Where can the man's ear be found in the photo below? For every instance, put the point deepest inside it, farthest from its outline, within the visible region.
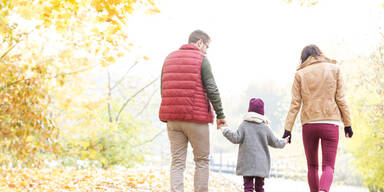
(199, 43)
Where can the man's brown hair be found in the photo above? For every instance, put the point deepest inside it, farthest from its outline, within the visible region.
(197, 35)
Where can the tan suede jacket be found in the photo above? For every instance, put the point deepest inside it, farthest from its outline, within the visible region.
(318, 90)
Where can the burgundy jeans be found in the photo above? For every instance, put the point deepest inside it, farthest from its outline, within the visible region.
(248, 184)
(328, 134)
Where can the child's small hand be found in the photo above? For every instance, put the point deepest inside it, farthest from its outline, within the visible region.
(287, 139)
(223, 125)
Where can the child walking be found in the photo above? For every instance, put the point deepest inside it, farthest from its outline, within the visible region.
(254, 136)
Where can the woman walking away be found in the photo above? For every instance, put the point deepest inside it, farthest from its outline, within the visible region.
(319, 91)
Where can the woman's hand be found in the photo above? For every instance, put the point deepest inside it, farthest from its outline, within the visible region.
(348, 131)
(288, 135)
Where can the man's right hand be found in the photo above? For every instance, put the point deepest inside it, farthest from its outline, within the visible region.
(220, 122)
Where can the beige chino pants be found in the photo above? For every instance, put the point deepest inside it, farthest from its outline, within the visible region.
(180, 133)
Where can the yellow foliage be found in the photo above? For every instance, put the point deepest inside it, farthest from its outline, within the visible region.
(110, 59)
(39, 82)
(367, 144)
(104, 63)
(153, 11)
(120, 54)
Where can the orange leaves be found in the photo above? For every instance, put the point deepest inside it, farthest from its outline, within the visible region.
(130, 180)
(25, 126)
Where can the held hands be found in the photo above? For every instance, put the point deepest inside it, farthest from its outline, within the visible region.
(220, 123)
(287, 139)
(348, 132)
(287, 135)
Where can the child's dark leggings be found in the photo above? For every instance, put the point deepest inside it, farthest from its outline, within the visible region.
(328, 134)
(249, 186)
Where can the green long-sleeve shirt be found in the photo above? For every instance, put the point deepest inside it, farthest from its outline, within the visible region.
(210, 87)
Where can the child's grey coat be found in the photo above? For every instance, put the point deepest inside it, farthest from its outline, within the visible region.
(254, 136)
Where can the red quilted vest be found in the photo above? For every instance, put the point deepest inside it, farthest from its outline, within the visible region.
(183, 95)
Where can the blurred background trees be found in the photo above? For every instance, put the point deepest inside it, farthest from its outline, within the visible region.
(366, 97)
(52, 56)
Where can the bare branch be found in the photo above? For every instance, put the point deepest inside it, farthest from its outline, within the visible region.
(133, 96)
(121, 92)
(14, 45)
(9, 50)
(73, 72)
(52, 77)
(122, 78)
(109, 96)
(149, 140)
(382, 34)
(146, 104)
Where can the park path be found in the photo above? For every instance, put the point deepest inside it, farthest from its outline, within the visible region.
(280, 184)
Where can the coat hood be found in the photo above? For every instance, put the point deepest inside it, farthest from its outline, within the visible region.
(257, 118)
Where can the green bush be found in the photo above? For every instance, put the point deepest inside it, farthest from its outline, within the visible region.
(109, 145)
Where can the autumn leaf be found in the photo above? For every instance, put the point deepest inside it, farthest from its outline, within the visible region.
(130, 180)
(153, 11)
(110, 59)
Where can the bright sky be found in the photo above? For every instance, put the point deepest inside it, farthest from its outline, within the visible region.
(256, 40)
